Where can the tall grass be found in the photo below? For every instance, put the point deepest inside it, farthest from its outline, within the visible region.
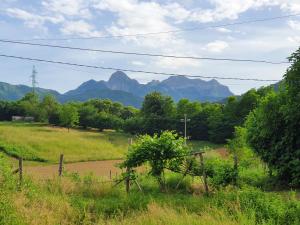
(86, 200)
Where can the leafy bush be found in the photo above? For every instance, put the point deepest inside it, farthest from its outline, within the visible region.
(220, 172)
(162, 152)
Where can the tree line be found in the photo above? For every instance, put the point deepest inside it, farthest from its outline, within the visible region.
(213, 122)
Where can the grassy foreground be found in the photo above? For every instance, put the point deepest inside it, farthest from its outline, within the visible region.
(86, 200)
(42, 143)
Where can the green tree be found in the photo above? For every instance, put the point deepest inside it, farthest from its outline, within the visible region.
(29, 104)
(158, 113)
(161, 152)
(68, 116)
(273, 127)
(51, 108)
(87, 116)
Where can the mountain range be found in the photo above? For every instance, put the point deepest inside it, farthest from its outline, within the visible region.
(128, 91)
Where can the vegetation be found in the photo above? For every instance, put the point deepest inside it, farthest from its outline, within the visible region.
(161, 152)
(273, 127)
(86, 200)
(213, 122)
(262, 155)
(38, 142)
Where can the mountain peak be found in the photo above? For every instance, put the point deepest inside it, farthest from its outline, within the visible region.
(120, 81)
(118, 76)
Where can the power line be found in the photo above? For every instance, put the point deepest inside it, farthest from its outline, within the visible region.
(131, 70)
(165, 32)
(144, 54)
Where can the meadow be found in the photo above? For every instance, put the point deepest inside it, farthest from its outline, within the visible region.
(44, 143)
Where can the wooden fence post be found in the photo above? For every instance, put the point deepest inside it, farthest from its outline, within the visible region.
(60, 168)
(236, 170)
(203, 172)
(20, 170)
(110, 174)
(127, 180)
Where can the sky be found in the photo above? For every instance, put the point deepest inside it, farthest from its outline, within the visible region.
(70, 19)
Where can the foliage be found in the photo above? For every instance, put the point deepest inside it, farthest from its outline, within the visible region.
(86, 200)
(162, 152)
(273, 128)
(68, 116)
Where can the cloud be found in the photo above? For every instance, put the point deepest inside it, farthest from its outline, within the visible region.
(30, 19)
(294, 39)
(216, 46)
(223, 30)
(138, 63)
(78, 8)
(174, 64)
(137, 17)
(295, 25)
(79, 28)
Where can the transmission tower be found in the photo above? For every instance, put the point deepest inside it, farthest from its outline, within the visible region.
(33, 79)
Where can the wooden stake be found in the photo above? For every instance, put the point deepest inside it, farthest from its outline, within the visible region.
(138, 185)
(110, 174)
(60, 168)
(203, 173)
(127, 180)
(20, 170)
(235, 158)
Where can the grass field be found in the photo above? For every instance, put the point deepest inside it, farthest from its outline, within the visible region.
(47, 143)
(38, 142)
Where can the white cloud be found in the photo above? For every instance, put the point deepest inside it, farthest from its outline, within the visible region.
(294, 24)
(294, 39)
(143, 17)
(30, 19)
(223, 30)
(174, 64)
(79, 8)
(216, 46)
(80, 28)
(231, 9)
(138, 63)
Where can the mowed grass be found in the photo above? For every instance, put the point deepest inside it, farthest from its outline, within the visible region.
(47, 143)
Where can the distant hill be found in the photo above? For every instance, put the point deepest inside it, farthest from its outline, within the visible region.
(15, 92)
(129, 91)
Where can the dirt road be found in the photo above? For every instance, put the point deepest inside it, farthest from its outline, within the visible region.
(98, 168)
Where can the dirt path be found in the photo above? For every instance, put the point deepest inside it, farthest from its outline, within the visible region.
(98, 168)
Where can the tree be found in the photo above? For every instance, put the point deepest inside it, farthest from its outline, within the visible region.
(158, 113)
(29, 104)
(87, 116)
(51, 108)
(273, 127)
(237, 147)
(68, 116)
(162, 152)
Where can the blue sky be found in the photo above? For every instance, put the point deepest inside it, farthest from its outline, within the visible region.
(31, 19)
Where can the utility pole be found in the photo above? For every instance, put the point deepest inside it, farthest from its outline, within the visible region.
(33, 79)
(185, 120)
